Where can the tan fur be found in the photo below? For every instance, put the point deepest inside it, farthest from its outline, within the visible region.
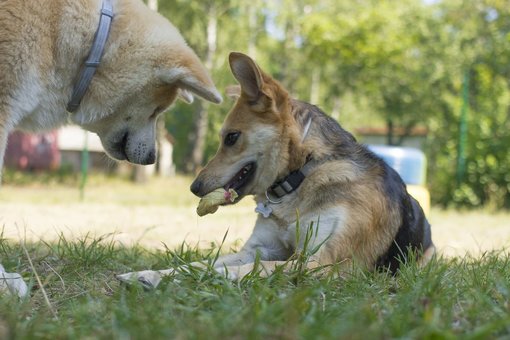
(345, 197)
(146, 64)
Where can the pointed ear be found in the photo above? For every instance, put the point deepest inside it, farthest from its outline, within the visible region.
(198, 83)
(247, 73)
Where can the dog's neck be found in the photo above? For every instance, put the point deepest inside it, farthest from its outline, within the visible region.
(298, 148)
(94, 58)
(77, 39)
(58, 58)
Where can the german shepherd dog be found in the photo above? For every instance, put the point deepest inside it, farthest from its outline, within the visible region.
(294, 158)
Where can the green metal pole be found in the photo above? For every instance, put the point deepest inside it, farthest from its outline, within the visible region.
(84, 165)
(461, 157)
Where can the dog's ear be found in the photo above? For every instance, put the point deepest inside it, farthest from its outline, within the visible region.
(247, 73)
(193, 79)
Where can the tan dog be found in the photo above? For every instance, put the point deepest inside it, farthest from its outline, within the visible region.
(144, 65)
(294, 158)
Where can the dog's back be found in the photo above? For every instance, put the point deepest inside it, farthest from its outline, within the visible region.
(414, 232)
(375, 187)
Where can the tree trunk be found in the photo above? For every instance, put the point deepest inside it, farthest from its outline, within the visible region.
(315, 86)
(337, 107)
(153, 4)
(389, 136)
(202, 117)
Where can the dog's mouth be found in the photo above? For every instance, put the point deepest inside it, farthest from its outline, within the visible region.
(241, 178)
(115, 147)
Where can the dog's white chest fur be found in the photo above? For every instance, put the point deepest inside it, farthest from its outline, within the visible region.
(34, 112)
(319, 225)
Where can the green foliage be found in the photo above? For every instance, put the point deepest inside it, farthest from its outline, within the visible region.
(481, 34)
(179, 122)
(375, 63)
(455, 298)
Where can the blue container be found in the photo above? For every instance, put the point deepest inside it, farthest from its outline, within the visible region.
(410, 163)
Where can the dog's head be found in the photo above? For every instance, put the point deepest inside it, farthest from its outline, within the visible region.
(255, 137)
(145, 67)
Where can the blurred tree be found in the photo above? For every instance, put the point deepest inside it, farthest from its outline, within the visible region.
(209, 26)
(384, 62)
(478, 33)
(382, 52)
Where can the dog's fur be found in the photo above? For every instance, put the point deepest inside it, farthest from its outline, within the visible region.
(359, 204)
(146, 63)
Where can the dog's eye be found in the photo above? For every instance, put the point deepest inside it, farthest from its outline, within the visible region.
(231, 138)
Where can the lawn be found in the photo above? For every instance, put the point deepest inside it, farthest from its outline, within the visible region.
(453, 297)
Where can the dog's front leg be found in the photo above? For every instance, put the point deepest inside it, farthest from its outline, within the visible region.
(150, 279)
(263, 244)
(266, 268)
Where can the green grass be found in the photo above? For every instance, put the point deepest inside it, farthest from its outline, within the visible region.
(455, 298)
(464, 298)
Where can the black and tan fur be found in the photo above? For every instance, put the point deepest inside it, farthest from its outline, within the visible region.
(360, 204)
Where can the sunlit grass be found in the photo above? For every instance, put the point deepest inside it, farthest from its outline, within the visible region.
(99, 189)
(463, 297)
(457, 298)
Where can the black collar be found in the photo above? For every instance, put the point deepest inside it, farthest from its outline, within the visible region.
(293, 180)
(94, 58)
(290, 182)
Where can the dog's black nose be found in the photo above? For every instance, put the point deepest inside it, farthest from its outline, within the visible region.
(195, 187)
(151, 158)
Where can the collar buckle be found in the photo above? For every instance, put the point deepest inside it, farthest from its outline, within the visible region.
(287, 184)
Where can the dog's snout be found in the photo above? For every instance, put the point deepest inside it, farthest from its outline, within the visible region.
(121, 144)
(196, 186)
(118, 145)
(151, 158)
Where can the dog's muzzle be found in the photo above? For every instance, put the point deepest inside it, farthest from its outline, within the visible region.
(123, 148)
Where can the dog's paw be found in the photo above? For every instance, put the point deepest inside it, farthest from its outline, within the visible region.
(13, 283)
(149, 279)
(235, 273)
(228, 272)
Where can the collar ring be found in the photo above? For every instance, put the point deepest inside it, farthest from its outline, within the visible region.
(273, 201)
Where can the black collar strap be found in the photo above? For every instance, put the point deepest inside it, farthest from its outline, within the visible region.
(291, 182)
(294, 179)
(94, 58)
